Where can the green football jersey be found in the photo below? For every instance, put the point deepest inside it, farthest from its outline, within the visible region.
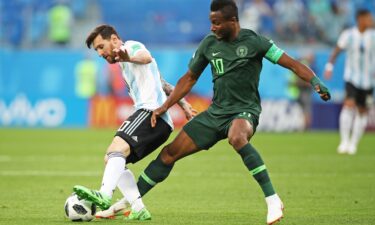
(236, 68)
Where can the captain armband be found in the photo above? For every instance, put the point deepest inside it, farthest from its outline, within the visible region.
(274, 54)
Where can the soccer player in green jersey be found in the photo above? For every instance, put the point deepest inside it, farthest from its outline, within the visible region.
(235, 56)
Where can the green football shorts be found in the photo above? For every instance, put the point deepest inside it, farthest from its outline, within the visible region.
(206, 128)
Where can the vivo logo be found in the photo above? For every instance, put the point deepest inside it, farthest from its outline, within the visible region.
(49, 112)
(280, 116)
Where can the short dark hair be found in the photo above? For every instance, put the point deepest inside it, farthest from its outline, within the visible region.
(104, 30)
(361, 12)
(227, 7)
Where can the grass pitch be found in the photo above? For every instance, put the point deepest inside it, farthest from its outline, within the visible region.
(38, 169)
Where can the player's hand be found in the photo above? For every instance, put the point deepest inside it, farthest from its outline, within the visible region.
(189, 111)
(121, 55)
(156, 114)
(320, 88)
(323, 92)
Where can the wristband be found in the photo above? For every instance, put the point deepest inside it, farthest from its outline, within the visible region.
(328, 67)
(314, 81)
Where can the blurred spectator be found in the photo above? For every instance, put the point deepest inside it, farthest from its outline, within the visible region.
(16, 31)
(320, 13)
(335, 23)
(289, 18)
(79, 8)
(13, 27)
(1, 21)
(85, 73)
(24, 23)
(253, 13)
(301, 91)
(60, 21)
(37, 25)
(347, 10)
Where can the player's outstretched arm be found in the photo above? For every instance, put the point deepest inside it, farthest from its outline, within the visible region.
(141, 57)
(189, 111)
(184, 85)
(305, 73)
(331, 61)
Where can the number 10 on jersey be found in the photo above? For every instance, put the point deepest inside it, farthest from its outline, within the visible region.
(219, 66)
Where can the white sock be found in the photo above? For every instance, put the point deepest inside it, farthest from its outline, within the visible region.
(112, 172)
(272, 199)
(123, 200)
(129, 189)
(346, 123)
(359, 126)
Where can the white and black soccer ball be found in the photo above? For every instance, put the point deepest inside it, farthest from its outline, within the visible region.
(79, 209)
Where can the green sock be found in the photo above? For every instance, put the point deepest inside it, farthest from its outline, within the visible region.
(154, 173)
(256, 166)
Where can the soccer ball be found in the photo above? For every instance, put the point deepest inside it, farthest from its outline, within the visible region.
(79, 209)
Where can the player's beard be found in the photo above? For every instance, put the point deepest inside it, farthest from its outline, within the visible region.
(111, 56)
(110, 59)
(224, 34)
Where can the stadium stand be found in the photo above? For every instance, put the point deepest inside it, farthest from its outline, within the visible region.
(167, 22)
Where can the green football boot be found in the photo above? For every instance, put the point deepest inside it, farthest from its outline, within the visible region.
(100, 199)
(144, 214)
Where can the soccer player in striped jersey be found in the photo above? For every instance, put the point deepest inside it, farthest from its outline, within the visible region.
(359, 77)
(236, 57)
(135, 138)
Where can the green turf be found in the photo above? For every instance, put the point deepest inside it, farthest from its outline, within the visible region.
(38, 169)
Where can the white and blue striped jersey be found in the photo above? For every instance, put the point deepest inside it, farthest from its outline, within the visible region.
(360, 57)
(143, 81)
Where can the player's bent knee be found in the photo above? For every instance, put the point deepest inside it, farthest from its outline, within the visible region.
(238, 141)
(167, 156)
(119, 145)
(180, 147)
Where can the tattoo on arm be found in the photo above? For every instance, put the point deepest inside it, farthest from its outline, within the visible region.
(168, 88)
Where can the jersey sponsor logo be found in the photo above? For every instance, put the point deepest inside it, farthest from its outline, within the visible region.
(242, 51)
(215, 53)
